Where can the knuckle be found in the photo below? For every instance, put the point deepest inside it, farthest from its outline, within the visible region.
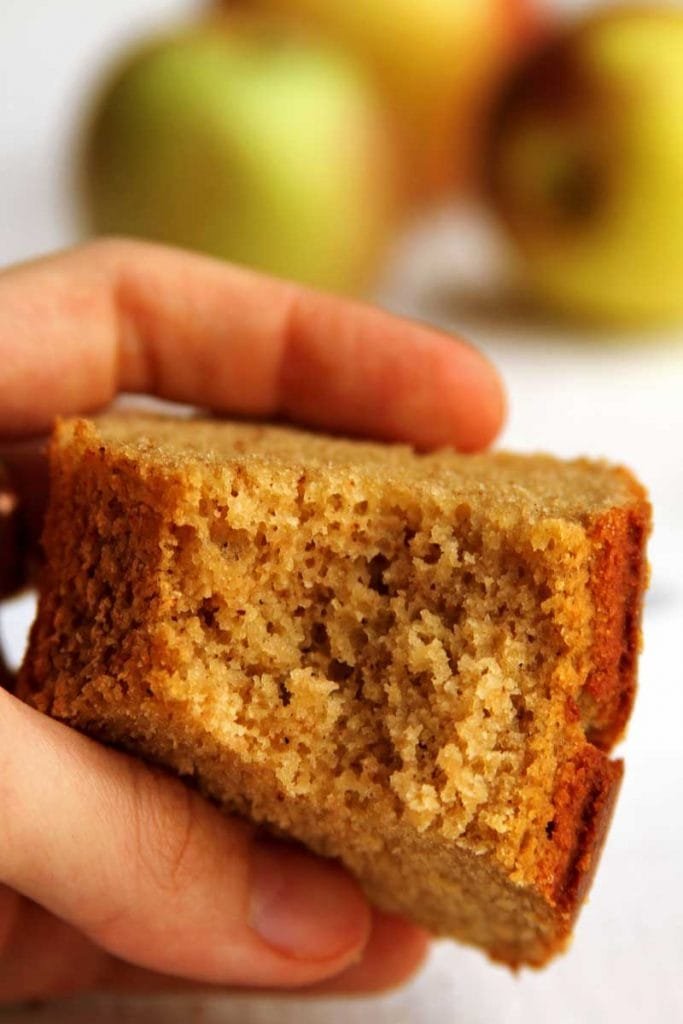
(166, 828)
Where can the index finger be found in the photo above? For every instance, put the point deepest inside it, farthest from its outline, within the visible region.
(80, 326)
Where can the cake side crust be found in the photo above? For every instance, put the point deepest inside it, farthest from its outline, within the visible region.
(618, 584)
(588, 784)
(584, 799)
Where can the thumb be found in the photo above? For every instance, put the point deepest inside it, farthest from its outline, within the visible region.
(155, 875)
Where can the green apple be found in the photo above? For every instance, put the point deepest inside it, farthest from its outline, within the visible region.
(586, 167)
(247, 142)
(435, 62)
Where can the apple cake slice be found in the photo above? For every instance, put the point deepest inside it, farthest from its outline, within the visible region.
(414, 663)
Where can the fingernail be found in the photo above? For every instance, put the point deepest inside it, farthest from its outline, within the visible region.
(304, 906)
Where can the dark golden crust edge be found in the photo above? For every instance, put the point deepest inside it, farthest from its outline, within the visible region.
(588, 784)
(586, 791)
(585, 795)
(618, 582)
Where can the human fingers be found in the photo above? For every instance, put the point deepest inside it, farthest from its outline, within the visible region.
(153, 874)
(395, 950)
(43, 957)
(80, 326)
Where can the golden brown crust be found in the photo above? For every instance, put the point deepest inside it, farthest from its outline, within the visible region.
(588, 784)
(585, 795)
(618, 581)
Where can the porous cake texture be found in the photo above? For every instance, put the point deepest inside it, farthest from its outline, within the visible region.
(414, 663)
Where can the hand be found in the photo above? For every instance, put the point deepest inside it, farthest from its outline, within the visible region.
(115, 875)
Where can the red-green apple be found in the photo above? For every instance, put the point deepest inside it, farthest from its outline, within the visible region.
(249, 142)
(586, 167)
(436, 63)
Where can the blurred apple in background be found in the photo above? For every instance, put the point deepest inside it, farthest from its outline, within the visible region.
(251, 142)
(586, 167)
(436, 63)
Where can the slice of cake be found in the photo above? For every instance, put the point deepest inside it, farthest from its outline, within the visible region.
(415, 663)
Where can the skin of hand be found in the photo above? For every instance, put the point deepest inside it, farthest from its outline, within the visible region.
(114, 876)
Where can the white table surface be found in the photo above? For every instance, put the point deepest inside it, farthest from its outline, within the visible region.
(570, 393)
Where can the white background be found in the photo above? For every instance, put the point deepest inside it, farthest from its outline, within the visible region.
(570, 393)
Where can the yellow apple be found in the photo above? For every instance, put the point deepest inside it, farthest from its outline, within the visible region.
(585, 167)
(248, 142)
(435, 61)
